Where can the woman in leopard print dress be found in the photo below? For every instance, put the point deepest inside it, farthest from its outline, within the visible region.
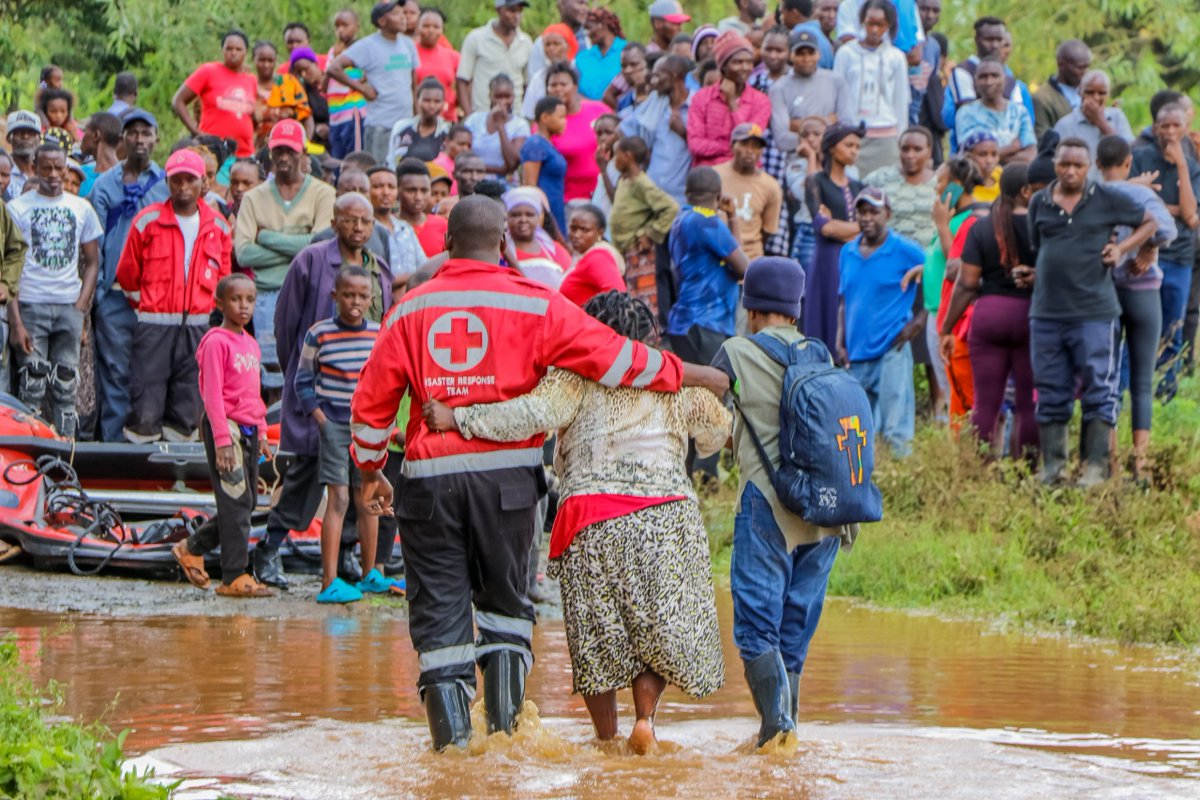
(629, 544)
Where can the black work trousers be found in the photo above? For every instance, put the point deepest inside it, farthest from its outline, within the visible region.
(466, 539)
(164, 389)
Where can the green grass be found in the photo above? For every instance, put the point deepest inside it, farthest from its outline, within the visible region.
(52, 759)
(961, 535)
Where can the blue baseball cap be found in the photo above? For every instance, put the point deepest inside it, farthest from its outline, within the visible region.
(138, 115)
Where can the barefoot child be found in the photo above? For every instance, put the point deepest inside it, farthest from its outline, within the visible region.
(234, 427)
(333, 355)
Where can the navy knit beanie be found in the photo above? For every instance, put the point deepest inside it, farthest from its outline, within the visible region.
(773, 284)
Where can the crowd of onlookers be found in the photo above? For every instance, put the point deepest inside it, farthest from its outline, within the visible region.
(904, 176)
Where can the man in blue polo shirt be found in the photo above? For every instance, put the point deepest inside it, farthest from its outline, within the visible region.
(879, 271)
(709, 263)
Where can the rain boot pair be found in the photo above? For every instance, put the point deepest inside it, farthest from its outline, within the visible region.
(1097, 453)
(448, 710)
(776, 694)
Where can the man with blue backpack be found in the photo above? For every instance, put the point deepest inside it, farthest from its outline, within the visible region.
(803, 440)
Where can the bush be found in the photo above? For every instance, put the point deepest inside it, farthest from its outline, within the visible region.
(40, 759)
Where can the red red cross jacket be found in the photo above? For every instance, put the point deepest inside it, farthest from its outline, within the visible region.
(480, 333)
(151, 273)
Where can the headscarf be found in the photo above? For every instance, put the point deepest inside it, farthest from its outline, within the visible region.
(976, 138)
(299, 53)
(702, 33)
(535, 198)
(608, 19)
(835, 133)
(566, 33)
(729, 44)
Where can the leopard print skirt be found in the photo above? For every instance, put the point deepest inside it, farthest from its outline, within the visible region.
(637, 595)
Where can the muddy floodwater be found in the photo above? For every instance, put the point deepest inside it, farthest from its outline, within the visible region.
(893, 705)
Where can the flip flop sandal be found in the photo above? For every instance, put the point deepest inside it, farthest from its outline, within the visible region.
(244, 586)
(192, 566)
(9, 551)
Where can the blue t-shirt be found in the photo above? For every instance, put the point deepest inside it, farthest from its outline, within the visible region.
(552, 176)
(597, 71)
(708, 291)
(876, 309)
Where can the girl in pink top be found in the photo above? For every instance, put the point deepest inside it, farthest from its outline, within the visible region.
(577, 142)
(235, 433)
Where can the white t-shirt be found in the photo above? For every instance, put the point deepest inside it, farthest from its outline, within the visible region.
(54, 228)
(190, 227)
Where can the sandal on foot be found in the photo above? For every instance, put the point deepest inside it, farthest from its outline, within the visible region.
(374, 583)
(642, 737)
(339, 592)
(244, 586)
(192, 565)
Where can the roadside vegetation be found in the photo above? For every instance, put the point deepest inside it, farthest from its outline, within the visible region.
(45, 757)
(962, 535)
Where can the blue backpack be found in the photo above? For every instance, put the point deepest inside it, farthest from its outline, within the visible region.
(825, 437)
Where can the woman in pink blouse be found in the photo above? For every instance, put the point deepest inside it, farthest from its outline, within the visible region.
(716, 110)
(577, 142)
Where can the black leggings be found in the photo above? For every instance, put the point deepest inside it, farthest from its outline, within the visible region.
(1141, 325)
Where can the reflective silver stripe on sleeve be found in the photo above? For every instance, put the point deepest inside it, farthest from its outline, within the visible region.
(472, 299)
(497, 623)
(620, 366)
(367, 435)
(654, 362)
(164, 318)
(453, 656)
(147, 218)
(472, 462)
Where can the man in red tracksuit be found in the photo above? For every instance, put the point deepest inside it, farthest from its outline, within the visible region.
(478, 333)
(176, 252)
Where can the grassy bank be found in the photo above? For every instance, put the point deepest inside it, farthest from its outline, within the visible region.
(42, 757)
(962, 535)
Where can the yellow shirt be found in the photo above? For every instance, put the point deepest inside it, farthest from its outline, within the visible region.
(988, 194)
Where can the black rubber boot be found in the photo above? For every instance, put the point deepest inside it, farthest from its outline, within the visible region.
(1053, 436)
(268, 567)
(768, 680)
(449, 715)
(348, 569)
(503, 689)
(1097, 454)
(794, 688)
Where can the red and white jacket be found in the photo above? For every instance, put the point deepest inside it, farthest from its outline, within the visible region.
(151, 273)
(480, 333)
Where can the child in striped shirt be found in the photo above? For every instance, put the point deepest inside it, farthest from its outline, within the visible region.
(333, 355)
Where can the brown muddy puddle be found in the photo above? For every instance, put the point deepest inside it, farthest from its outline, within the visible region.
(893, 705)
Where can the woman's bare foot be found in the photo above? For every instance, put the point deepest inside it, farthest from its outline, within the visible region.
(642, 738)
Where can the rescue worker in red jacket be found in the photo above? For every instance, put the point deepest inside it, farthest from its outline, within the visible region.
(478, 333)
(176, 253)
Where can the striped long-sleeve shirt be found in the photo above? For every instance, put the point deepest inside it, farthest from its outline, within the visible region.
(330, 362)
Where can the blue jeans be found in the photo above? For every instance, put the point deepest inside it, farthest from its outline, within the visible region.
(113, 322)
(888, 382)
(264, 332)
(1177, 283)
(49, 376)
(346, 137)
(777, 595)
(1068, 354)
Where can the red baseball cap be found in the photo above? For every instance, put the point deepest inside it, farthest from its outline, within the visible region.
(287, 133)
(670, 10)
(187, 162)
